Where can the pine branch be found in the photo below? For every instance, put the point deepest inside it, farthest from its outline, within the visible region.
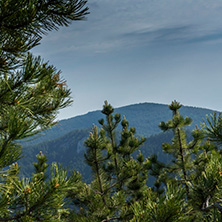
(207, 207)
(4, 146)
(27, 212)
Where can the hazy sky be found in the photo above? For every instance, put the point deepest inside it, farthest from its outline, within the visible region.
(132, 51)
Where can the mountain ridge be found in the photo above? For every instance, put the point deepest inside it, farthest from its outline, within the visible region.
(145, 117)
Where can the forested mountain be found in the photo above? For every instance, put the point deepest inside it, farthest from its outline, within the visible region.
(65, 142)
(145, 117)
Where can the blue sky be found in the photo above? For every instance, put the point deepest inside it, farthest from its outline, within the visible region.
(134, 51)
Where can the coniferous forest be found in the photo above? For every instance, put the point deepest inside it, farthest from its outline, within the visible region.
(124, 184)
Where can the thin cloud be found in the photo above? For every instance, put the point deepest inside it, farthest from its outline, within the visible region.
(159, 35)
(114, 25)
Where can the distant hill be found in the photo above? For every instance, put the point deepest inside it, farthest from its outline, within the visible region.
(145, 117)
(65, 142)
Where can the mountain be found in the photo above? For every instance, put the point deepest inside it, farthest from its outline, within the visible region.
(145, 117)
(65, 142)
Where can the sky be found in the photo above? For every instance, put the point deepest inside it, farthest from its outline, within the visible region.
(135, 51)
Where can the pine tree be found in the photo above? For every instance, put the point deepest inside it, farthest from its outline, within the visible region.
(31, 94)
(31, 91)
(195, 167)
(119, 179)
(182, 165)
